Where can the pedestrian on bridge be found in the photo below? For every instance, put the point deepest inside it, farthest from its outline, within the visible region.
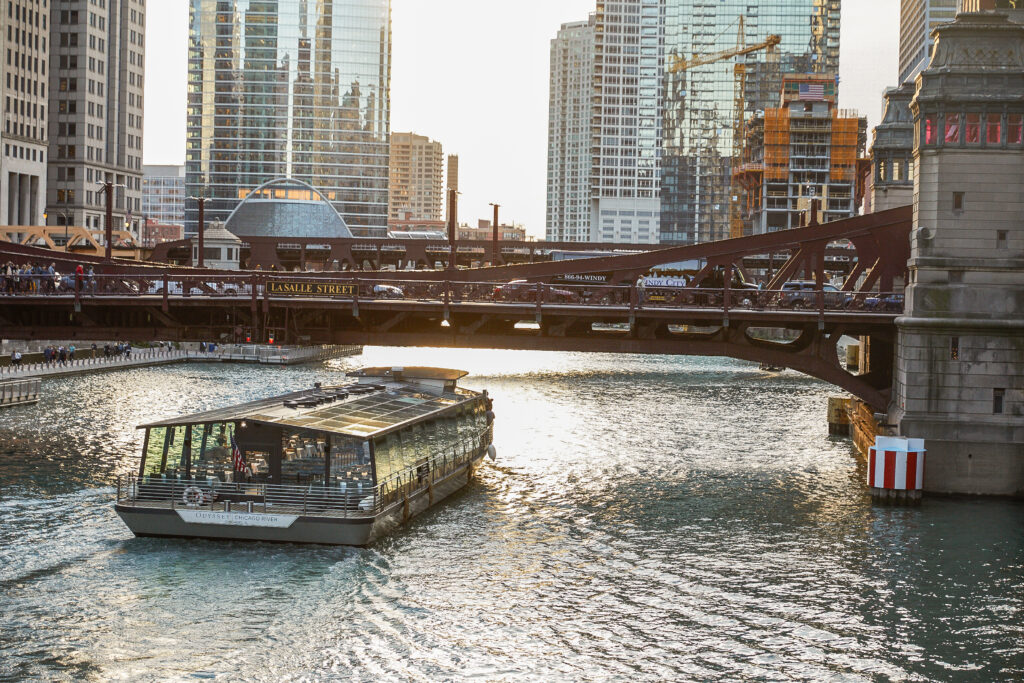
(94, 349)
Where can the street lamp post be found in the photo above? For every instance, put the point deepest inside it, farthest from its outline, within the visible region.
(453, 209)
(108, 235)
(494, 236)
(201, 201)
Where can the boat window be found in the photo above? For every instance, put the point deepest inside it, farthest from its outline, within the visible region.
(350, 461)
(154, 455)
(303, 456)
(172, 464)
(448, 429)
(387, 453)
(200, 441)
(212, 458)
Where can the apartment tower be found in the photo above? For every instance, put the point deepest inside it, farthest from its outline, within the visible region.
(626, 128)
(97, 60)
(570, 115)
(24, 47)
(417, 174)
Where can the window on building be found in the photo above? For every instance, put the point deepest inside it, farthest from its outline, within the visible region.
(998, 397)
(1015, 129)
(972, 129)
(930, 130)
(952, 128)
(993, 129)
(958, 201)
(954, 348)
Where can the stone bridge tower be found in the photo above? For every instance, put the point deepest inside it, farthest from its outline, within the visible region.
(959, 380)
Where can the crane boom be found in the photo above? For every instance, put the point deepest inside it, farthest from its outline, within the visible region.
(682, 64)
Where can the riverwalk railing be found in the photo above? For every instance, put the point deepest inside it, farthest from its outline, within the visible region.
(19, 391)
(345, 499)
(141, 357)
(137, 358)
(350, 287)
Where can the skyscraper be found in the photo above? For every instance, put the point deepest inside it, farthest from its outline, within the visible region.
(570, 115)
(700, 110)
(290, 88)
(626, 129)
(97, 59)
(24, 39)
(417, 171)
(917, 19)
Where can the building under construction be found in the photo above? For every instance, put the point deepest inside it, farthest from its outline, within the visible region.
(807, 149)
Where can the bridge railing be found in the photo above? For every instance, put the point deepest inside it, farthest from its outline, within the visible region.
(350, 287)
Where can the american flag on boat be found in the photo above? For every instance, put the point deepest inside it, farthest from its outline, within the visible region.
(812, 91)
(236, 454)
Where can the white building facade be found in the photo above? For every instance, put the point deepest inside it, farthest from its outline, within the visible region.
(570, 114)
(24, 47)
(626, 125)
(163, 194)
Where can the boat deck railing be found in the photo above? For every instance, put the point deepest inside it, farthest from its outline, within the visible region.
(342, 500)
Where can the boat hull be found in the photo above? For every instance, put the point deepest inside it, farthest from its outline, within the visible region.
(210, 523)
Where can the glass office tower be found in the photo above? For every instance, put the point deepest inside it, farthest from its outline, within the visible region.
(290, 88)
(699, 116)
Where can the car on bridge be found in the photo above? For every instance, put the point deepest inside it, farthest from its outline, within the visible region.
(799, 294)
(200, 288)
(381, 291)
(523, 290)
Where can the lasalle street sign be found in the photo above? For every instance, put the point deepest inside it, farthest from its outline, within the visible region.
(304, 288)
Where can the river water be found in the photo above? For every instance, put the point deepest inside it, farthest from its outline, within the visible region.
(648, 518)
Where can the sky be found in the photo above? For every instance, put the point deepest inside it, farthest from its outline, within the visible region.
(473, 75)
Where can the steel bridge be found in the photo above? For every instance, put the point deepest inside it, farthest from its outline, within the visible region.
(581, 305)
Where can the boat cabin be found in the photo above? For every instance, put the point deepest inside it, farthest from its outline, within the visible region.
(352, 437)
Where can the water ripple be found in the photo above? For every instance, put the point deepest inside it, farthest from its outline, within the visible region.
(647, 519)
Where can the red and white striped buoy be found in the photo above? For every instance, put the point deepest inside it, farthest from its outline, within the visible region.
(896, 469)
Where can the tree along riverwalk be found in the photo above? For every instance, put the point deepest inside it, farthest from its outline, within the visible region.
(147, 357)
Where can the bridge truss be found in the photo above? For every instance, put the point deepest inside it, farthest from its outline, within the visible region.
(476, 308)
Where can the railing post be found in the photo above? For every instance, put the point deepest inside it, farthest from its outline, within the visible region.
(447, 299)
(166, 285)
(540, 301)
(633, 298)
(821, 306)
(726, 293)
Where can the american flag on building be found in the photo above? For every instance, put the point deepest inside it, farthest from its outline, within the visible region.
(812, 91)
(236, 455)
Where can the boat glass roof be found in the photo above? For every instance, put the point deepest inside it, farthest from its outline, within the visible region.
(360, 415)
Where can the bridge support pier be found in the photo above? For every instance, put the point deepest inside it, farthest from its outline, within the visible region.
(959, 380)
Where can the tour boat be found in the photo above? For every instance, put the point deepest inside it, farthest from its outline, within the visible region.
(338, 464)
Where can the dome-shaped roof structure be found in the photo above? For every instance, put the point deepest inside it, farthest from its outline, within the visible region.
(286, 207)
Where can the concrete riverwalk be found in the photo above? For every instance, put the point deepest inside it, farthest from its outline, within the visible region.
(147, 357)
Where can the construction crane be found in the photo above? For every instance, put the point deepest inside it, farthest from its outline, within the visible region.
(740, 79)
(682, 63)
